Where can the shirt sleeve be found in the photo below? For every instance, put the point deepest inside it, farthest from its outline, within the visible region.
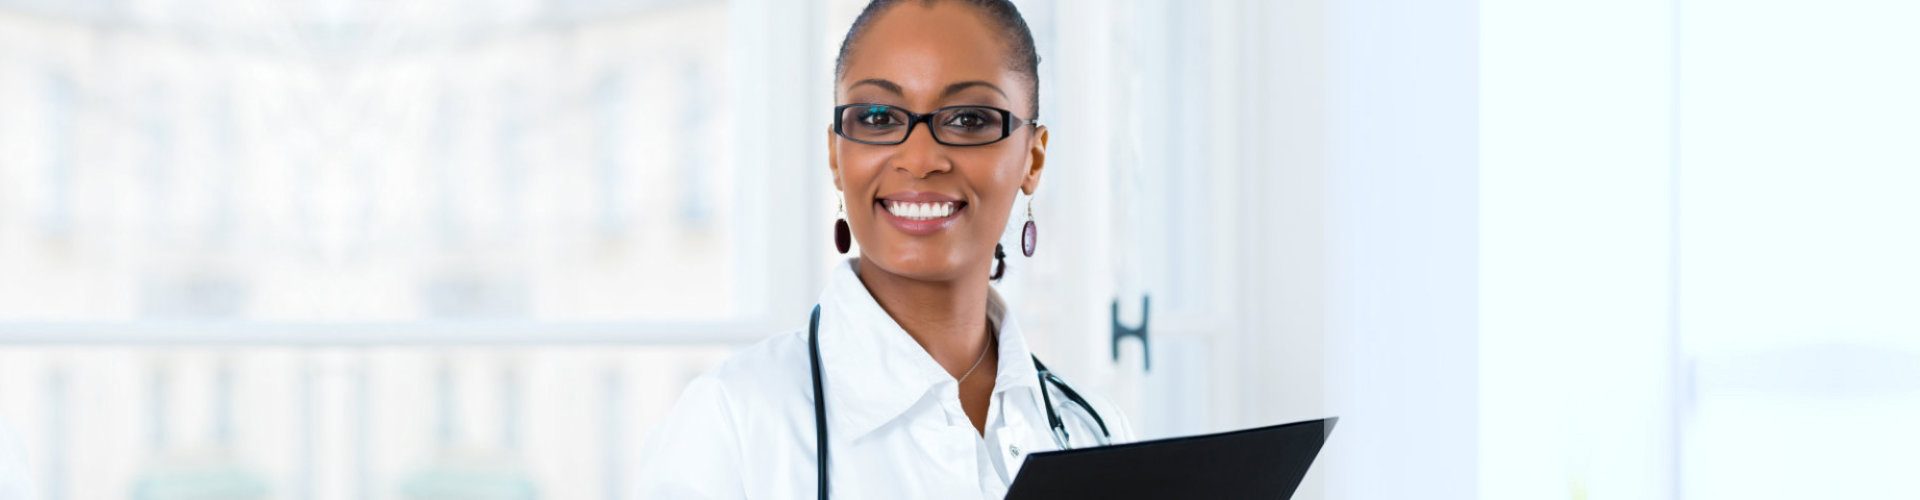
(695, 451)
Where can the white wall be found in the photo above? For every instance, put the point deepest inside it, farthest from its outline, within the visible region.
(1402, 228)
(1799, 228)
(1576, 345)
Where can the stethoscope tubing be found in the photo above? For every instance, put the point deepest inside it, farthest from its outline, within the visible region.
(1054, 422)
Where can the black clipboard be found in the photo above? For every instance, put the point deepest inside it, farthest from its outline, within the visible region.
(1263, 462)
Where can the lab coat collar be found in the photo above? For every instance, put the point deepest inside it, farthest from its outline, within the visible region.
(875, 371)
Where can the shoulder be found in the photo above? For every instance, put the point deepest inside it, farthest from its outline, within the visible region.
(775, 370)
(759, 384)
(696, 450)
(1117, 422)
(1119, 427)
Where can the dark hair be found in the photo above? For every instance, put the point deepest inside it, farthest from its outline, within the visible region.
(1000, 13)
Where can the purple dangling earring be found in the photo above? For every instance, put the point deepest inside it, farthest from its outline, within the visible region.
(842, 235)
(1029, 235)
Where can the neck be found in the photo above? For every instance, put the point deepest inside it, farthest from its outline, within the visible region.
(947, 318)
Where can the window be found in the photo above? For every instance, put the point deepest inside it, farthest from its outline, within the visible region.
(384, 250)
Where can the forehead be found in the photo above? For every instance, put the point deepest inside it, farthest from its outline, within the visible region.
(923, 48)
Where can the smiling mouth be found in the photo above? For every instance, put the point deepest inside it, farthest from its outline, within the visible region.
(928, 210)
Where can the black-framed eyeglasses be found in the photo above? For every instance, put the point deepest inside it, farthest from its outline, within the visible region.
(885, 125)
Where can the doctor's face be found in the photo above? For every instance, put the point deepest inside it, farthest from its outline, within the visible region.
(922, 209)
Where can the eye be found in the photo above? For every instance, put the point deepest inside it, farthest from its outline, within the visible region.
(967, 119)
(877, 117)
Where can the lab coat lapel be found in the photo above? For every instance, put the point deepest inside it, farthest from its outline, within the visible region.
(874, 371)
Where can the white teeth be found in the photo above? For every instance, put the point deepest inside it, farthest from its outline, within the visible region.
(920, 211)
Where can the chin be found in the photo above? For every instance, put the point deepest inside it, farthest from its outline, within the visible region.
(919, 264)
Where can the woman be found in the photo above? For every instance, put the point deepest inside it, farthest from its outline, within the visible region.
(929, 390)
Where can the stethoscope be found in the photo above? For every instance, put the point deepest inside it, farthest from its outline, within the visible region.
(1054, 421)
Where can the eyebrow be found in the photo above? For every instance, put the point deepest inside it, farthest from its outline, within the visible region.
(956, 88)
(951, 89)
(883, 84)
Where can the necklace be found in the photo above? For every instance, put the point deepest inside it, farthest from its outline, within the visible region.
(983, 357)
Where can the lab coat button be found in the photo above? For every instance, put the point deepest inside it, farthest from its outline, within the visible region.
(1013, 450)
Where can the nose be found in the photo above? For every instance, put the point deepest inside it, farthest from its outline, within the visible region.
(921, 156)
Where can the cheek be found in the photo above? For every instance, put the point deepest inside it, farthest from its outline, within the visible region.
(998, 187)
(858, 170)
(1001, 180)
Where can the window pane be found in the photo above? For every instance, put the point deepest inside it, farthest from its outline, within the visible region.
(362, 423)
(320, 161)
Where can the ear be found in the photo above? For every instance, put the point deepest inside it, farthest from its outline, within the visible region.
(833, 158)
(1036, 160)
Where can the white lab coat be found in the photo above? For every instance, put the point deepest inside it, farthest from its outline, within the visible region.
(745, 430)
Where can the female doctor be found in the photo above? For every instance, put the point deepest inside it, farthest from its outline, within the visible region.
(913, 379)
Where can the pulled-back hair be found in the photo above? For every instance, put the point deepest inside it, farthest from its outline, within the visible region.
(1001, 14)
